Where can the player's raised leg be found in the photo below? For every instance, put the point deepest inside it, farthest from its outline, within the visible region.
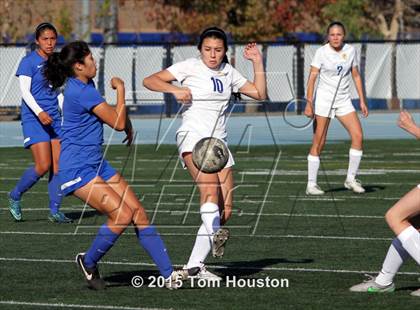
(226, 205)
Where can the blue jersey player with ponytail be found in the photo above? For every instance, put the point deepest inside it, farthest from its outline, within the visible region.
(86, 174)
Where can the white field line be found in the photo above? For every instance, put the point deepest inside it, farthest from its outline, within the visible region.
(238, 213)
(320, 237)
(184, 196)
(46, 260)
(152, 182)
(62, 305)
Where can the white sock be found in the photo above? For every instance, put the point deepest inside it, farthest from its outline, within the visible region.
(394, 259)
(211, 217)
(410, 239)
(201, 249)
(355, 156)
(313, 167)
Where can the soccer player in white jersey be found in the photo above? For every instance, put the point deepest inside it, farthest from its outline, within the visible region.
(334, 63)
(404, 220)
(206, 87)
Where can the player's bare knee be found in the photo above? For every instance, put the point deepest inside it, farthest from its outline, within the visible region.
(140, 217)
(42, 168)
(122, 216)
(392, 218)
(209, 194)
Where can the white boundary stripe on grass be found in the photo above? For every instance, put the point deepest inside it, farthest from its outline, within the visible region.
(62, 305)
(44, 233)
(152, 182)
(238, 213)
(44, 260)
(255, 196)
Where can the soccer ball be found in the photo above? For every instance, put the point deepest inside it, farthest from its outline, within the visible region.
(210, 155)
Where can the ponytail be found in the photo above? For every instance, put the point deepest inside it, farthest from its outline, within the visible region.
(59, 66)
(55, 72)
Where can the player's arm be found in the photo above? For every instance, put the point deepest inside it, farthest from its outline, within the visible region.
(115, 117)
(359, 87)
(258, 88)
(161, 82)
(25, 88)
(407, 123)
(313, 74)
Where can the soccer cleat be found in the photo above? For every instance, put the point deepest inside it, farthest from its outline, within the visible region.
(371, 286)
(416, 293)
(220, 238)
(92, 276)
(314, 190)
(15, 209)
(174, 281)
(355, 186)
(198, 273)
(60, 218)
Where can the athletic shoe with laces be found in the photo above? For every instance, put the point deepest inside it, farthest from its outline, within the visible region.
(220, 238)
(314, 190)
(198, 273)
(15, 209)
(371, 286)
(174, 281)
(92, 276)
(60, 218)
(355, 186)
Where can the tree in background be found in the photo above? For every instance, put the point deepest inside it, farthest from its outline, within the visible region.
(268, 19)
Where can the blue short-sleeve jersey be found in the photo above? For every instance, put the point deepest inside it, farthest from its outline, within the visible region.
(82, 130)
(32, 65)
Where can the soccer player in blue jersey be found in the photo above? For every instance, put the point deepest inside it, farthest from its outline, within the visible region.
(41, 122)
(86, 174)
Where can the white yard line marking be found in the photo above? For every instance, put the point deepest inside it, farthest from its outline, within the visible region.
(62, 305)
(47, 260)
(236, 212)
(46, 233)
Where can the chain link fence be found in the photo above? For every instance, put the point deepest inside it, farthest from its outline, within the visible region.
(390, 71)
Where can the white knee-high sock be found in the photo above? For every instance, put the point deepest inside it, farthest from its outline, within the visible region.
(201, 249)
(313, 167)
(355, 156)
(211, 217)
(394, 259)
(410, 239)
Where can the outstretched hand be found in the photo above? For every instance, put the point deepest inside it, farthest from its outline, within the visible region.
(252, 52)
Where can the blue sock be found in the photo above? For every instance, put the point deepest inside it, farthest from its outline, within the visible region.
(151, 242)
(55, 193)
(28, 179)
(104, 240)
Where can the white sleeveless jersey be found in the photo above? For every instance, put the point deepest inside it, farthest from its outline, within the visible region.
(211, 91)
(332, 65)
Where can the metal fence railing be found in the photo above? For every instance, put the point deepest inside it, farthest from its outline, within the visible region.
(390, 71)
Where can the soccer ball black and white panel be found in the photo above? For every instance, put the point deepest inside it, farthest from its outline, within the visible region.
(210, 155)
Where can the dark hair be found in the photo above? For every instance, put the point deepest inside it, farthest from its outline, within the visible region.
(336, 23)
(42, 27)
(59, 66)
(214, 32)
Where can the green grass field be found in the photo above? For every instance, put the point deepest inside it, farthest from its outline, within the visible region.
(321, 245)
